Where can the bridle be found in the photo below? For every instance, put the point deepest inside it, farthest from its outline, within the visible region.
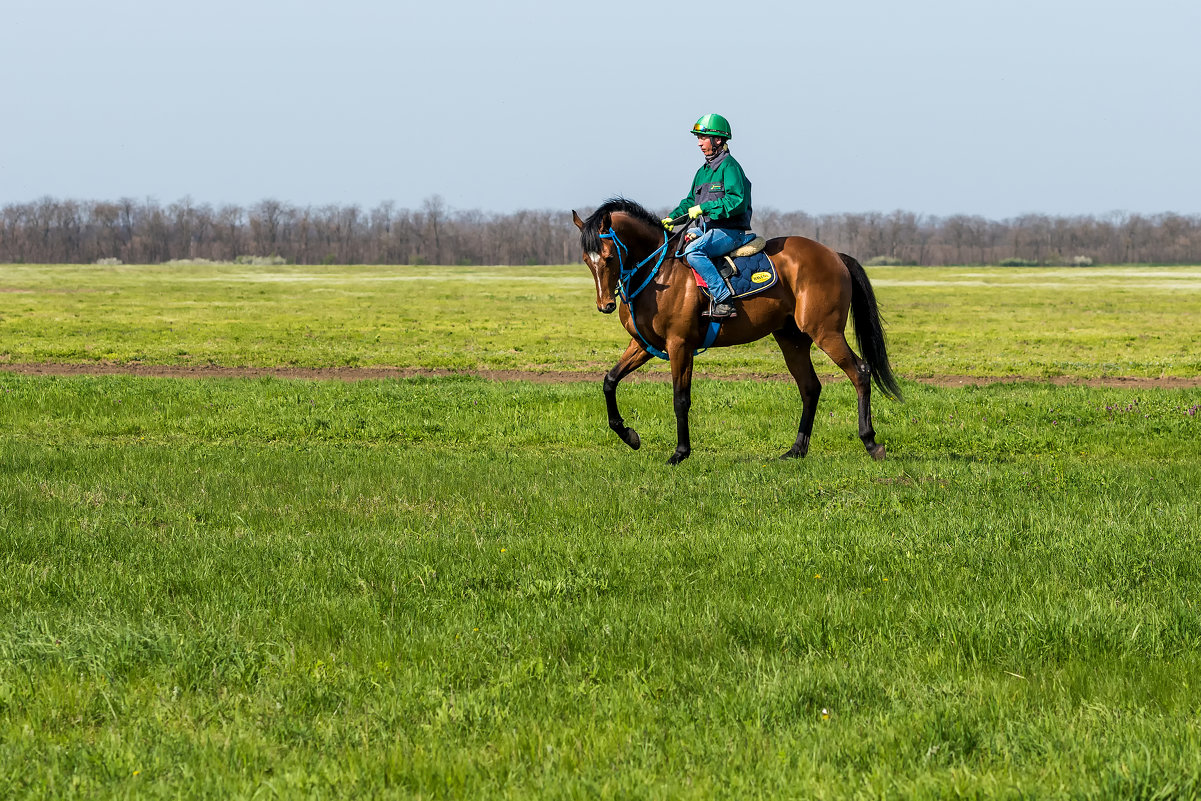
(625, 277)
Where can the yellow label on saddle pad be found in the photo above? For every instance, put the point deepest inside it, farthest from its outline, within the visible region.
(759, 278)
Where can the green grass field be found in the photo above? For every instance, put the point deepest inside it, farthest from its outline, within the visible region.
(962, 321)
(457, 588)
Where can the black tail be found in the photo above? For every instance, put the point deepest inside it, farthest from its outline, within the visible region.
(869, 329)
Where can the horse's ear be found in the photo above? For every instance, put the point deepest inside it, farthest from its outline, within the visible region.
(606, 222)
(575, 218)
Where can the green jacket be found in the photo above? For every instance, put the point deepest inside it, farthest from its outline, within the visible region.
(723, 193)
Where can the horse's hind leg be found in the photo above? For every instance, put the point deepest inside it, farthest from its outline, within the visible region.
(634, 357)
(835, 345)
(795, 347)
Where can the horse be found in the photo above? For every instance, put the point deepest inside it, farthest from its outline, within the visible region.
(633, 258)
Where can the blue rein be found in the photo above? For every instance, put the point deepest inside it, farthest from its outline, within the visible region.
(624, 277)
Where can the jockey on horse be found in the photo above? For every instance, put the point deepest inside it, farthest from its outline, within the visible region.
(721, 198)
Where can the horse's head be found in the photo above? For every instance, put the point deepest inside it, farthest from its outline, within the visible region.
(617, 234)
(601, 257)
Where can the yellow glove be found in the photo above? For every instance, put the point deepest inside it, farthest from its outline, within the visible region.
(667, 226)
(694, 212)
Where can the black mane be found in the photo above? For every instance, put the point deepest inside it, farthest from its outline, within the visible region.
(590, 236)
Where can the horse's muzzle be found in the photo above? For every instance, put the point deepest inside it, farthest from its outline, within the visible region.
(608, 308)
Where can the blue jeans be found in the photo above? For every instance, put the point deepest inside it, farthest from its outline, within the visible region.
(714, 242)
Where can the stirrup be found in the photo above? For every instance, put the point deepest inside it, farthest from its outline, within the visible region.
(720, 311)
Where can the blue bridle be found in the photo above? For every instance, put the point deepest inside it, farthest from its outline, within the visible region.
(625, 276)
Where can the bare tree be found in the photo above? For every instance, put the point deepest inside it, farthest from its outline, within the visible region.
(50, 230)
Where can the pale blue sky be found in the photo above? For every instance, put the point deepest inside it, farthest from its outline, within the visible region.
(938, 107)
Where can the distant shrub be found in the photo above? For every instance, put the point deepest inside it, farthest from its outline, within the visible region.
(261, 261)
(1081, 261)
(884, 261)
(1016, 262)
(109, 261)
(183, 262)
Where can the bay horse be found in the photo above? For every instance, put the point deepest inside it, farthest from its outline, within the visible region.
(632, 258)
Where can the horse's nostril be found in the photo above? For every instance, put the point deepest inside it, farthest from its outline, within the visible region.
(608, 307)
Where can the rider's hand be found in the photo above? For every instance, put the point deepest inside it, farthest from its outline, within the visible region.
(667, 226)
(694, 212)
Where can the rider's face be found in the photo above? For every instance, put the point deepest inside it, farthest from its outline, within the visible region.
(708, 144)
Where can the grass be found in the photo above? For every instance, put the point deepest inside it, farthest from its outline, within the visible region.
(451, 588)
(965, 321)
(447, 588)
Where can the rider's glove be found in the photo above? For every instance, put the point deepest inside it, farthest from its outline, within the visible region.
(667, 226)
(694, 212)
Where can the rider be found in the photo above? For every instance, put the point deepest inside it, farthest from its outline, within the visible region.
(721, 198)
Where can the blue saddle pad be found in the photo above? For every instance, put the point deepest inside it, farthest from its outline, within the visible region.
(754, 274)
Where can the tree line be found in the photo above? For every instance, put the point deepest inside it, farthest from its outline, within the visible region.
(51, 231)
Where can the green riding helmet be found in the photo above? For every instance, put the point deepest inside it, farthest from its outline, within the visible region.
(712, 125)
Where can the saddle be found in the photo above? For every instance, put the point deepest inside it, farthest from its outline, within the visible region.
(750, 248)
(747, 270)
(729, 268)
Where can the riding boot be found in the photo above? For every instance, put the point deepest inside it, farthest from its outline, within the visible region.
(720, 310)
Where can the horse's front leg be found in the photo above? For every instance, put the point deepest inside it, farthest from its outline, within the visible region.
(634, 357)
(680, 356)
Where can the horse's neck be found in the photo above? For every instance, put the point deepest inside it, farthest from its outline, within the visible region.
(638, 239)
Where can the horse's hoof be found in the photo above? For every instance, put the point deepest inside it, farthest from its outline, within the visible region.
(627, 435)
(878, 453)
(794, 453)
(677, 457)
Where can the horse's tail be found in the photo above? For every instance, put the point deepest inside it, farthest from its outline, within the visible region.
(869, 329)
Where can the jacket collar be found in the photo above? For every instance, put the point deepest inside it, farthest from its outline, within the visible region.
(714, 161)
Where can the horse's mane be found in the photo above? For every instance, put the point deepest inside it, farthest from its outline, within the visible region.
(590, 236)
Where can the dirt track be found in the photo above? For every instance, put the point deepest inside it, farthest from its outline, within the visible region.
(536, 376)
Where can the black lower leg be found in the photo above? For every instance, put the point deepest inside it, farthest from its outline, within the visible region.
(682, 402)
(805, 431)
(627, 435)
(867, 434)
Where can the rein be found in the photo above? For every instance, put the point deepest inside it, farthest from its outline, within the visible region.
(624, 277)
